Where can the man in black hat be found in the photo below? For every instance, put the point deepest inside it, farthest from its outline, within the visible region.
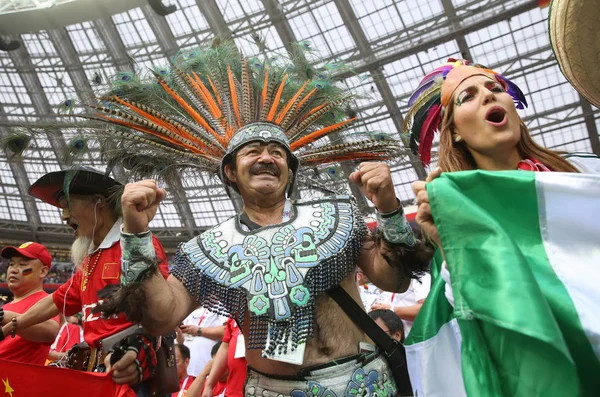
(86, 199)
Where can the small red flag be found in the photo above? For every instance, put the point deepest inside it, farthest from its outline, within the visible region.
(111, 271)
(21, 380)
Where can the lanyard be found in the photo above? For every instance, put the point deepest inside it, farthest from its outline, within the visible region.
(202, 316)
(183, 386)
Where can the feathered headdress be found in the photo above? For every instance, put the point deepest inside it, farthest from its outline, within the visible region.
(433, 95)
(211, 101)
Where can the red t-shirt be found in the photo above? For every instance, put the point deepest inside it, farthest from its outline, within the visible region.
(68, 336)
(219, 389)
(237, 366)
(184, 385)
(20, 349)
(73, 299)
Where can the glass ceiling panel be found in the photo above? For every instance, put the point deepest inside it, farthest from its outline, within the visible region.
(39, 161)
(207, 199)
(235, 9)
(415, 11)
(167, 216)
(187, 19)
(139, 39)
(39, 45)
(85, 38)
(16, 102)
(378, 18)
(324, 28)
(260, 41)
(92, 53)
(404, 75)
(243, 17)
(133, 28)
(11, 203)
(55, 81)
(209, 211)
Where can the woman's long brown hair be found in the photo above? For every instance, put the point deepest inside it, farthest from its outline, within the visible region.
(455, 156)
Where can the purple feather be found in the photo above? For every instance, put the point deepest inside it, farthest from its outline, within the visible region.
(429, 80)
(443, 70)
(420, 89)
(514, 91)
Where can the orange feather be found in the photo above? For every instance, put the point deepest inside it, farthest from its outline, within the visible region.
(168, 126)
(209, 98)
(314, 110)
(313, 136)
(150, 132)
(271, 114)
(150, 117)
(287, 107)
(199, 119)
(202, 92)
(303, 101)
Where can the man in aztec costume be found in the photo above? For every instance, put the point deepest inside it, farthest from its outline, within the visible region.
(256, 125)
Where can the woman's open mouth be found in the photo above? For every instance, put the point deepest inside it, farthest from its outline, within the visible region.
(496, 116)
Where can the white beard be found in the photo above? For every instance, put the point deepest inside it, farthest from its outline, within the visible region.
(80, 248)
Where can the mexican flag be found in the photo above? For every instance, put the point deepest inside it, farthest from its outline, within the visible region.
(523, 255)
(26, 380)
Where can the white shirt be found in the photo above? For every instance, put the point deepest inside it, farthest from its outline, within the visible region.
(585, 162)
(369, 294)
(200, 346)
(113, 235)
(416, 291)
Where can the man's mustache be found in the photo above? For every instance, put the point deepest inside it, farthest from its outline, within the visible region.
(260, 167)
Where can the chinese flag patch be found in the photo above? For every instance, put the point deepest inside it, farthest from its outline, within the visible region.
(111, 271)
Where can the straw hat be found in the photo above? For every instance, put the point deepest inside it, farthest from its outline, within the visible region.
(574, 27)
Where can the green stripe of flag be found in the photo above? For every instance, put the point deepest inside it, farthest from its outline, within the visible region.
(439, 308)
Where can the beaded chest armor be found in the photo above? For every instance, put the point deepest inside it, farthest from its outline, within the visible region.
(277, 271)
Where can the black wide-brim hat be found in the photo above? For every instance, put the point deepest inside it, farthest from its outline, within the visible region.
(77, 180)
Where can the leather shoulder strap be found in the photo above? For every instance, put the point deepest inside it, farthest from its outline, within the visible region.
(362, 319)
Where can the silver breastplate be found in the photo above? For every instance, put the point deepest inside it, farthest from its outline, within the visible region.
(280, 269)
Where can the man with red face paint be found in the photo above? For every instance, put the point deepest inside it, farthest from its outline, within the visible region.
(29, 263)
